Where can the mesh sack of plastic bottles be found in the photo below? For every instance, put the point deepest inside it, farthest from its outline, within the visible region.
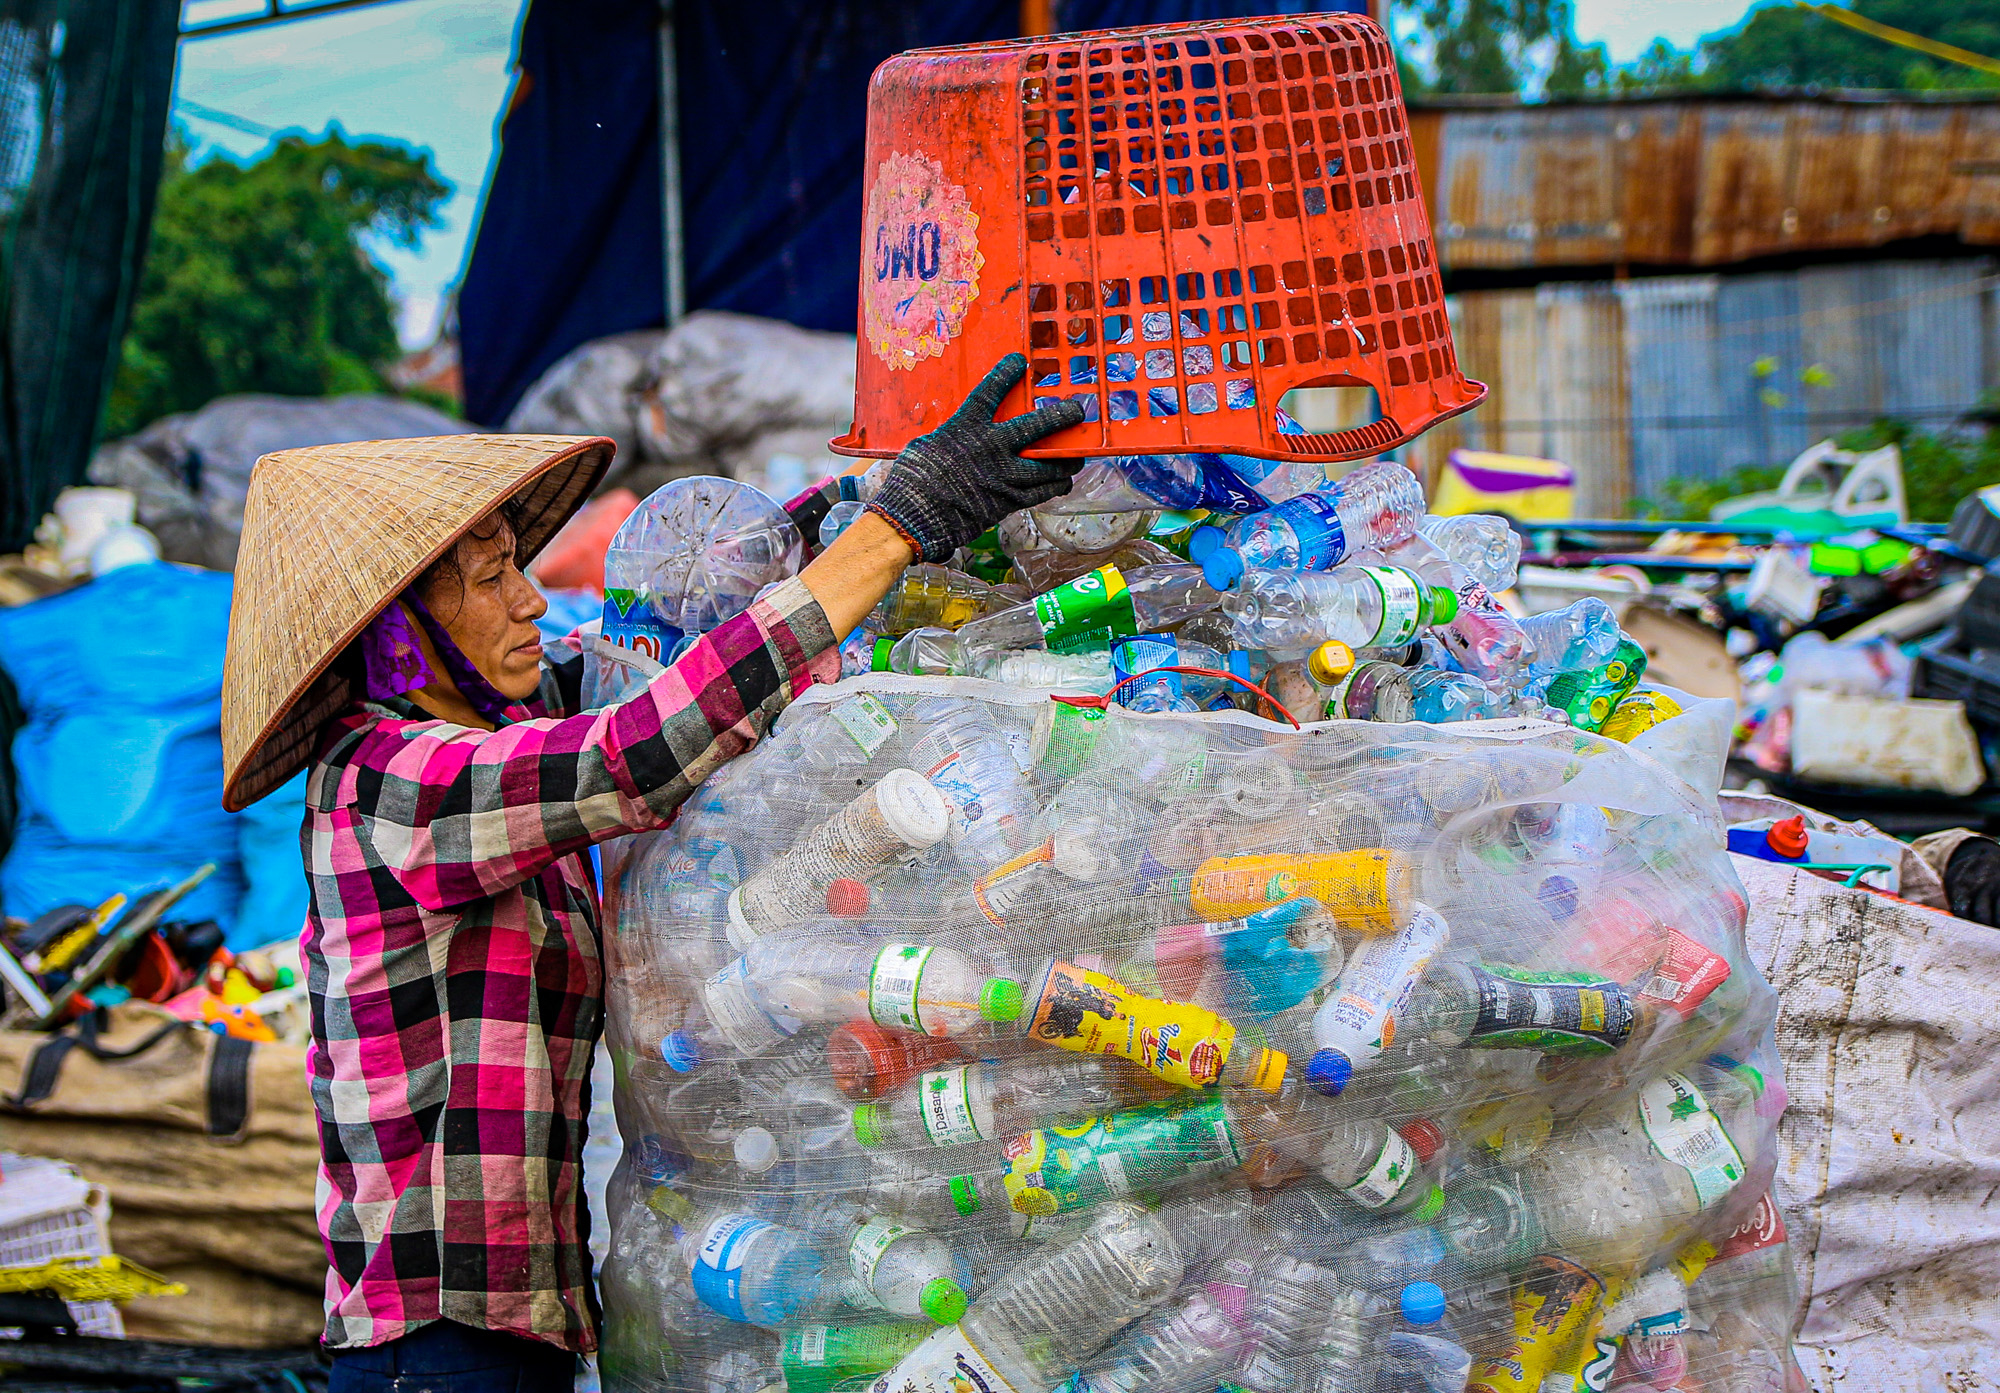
(974, 1041)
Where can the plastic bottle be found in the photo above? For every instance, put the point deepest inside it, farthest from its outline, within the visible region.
(1172, 691)
(1290, 1299)
(1365, 890)
(1369, 1162)
(866, 1061)
(1343, 1359)
(1068, 672)
(748, 1268)
(1360, 1015)
(996, 1098)
(1095, 836)
(1360, 606)
(1580, 635)
(969, 762)
(1485, 547)
(692, 555)
(905, 1271)
(1418, 1356)
(928, 651)
(1094, 607)
(788, 981)
(1588, 696)
(1386, 692)
(818, 1358)
(1032, 1328)
(1250, 968)
(1047, 568)
(1182, 1347)
(1088, 1012)
(1376, 505)
(1486, 641)
(1486, 1007)
(898, 815)
(927, 596)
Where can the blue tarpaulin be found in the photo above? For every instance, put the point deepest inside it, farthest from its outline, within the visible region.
(773, 117)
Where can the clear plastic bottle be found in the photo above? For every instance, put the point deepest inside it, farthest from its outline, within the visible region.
(1485, 547)
(1418, 1355)
(1183, 1347)
(928, 596)
(1344, 1358)
(905, 1271)
(1033, 1327)
(1377, 505)
(788, 981)
(894, 818)
(1487, 641)
(1047, 568)
(1367, 1161)
(993, 811)
(1581, 635)
(1146, 600)
(1290, 1298)
(1172, 691)
(1385, 692)
(694, 554)
(1358, 1018)
(995, 1098)
(749, 1269)
(1360, 606)
(929, 651)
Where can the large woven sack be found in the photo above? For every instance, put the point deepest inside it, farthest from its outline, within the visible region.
(209, 1151)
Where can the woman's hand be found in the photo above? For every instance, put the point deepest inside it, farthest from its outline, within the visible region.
(951, 485)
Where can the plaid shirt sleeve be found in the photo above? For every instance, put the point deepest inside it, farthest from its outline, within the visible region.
(459, 815)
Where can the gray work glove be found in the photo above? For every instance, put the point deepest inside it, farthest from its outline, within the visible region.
(951, 485)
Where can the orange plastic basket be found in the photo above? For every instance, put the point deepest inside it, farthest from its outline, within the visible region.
(1177, 225)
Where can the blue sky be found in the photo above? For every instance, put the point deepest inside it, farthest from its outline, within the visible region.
(434, 73)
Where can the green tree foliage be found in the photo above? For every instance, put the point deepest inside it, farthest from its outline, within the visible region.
(1784, 46)
(1488, 45)
(256, 280)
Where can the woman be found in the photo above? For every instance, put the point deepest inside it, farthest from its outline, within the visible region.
(382, 631)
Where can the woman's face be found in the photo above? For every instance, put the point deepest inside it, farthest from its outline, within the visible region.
(489, 608)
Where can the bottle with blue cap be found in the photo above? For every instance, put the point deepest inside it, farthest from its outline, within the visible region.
(1363, 1010)
(1148, 658)
(1377, 506)
(1419, 1356)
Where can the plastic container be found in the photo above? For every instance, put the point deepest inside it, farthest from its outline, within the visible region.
(1138, 286)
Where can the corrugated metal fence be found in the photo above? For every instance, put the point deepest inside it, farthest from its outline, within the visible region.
(1639, 382)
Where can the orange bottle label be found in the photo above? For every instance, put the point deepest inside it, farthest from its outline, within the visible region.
(1090, 1013)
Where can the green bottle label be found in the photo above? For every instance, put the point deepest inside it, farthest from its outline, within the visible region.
(1085, 614)
(1139, 1151)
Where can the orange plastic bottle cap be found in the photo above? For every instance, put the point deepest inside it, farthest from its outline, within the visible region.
(1788, 838)
(846, 899)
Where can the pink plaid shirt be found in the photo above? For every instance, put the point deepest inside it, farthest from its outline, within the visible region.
(452, 954)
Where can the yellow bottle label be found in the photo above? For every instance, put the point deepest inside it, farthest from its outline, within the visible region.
(1553, 1309)
(1090, 1013)
(1360, 889)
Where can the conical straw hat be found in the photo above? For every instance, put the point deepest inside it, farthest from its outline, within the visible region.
(331, 534)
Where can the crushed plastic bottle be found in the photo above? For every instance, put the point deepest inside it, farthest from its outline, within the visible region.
(692, 555)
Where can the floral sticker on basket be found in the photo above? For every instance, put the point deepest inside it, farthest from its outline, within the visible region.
(924, 260)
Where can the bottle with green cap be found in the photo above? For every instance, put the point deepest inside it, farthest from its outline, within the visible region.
(786, 982)
(932, 652)
(992, 1099)
(1360, 606)
(904, 1271)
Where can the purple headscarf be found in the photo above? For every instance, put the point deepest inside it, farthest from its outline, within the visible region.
(394, 660)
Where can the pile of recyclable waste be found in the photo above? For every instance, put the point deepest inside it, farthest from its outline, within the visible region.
(1101, 1026)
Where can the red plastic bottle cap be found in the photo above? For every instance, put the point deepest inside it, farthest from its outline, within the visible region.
(858, 1055)
(847, 899)
(1425, 1137)
(1788, 838)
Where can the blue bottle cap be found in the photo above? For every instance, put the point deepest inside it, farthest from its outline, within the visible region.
(1239, 663)
(1328, 1072)
(1423, 1303)
(681, 1051)
(1203, 543)
(1222, 568)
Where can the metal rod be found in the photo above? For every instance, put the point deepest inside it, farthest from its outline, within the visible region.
(273, 13)
(673, 247)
